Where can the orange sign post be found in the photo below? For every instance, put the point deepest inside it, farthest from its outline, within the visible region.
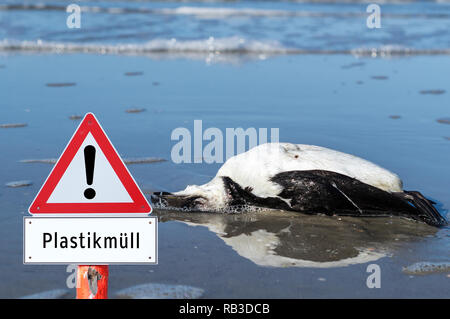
(92, 282)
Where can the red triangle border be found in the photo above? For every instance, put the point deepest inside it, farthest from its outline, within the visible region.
(90, 124)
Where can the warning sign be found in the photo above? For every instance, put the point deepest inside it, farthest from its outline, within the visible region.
(93, 240)
(90, 178)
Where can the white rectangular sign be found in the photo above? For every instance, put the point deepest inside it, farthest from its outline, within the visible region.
(90, 240)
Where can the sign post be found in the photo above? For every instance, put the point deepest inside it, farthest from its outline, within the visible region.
(92, 282)
(81, 215)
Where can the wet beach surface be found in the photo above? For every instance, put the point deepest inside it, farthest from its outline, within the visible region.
(309, 256)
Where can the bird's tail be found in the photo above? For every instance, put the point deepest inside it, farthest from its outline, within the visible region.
(425, 208)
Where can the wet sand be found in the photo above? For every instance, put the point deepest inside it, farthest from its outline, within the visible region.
(13, 125)
(217, 253)
(60, 85)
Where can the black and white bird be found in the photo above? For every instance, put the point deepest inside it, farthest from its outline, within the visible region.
(308, 179)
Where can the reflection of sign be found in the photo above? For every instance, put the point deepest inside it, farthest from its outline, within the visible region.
(90, 240)
(89, 177)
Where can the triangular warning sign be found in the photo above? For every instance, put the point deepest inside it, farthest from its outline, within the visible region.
(90, 177)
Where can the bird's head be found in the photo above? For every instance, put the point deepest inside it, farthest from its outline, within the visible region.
(207, 197)
(184, 202)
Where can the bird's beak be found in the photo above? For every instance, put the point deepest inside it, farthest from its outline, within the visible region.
(166, 199)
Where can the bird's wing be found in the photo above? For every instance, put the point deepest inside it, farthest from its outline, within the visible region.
(319, 191)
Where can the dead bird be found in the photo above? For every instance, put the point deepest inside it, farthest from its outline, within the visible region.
(308, 179)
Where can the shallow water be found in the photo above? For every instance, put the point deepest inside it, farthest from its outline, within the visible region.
(351, 117)
(368, 106)
(285, 239)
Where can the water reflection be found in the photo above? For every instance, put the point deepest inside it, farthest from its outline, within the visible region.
(284, 239)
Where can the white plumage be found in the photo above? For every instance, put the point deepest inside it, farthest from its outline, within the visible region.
(256, 167)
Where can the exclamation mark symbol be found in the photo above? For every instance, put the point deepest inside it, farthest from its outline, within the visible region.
(89, 163)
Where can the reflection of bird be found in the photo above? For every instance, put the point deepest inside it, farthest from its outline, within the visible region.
(278, 239)
(305, 178)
